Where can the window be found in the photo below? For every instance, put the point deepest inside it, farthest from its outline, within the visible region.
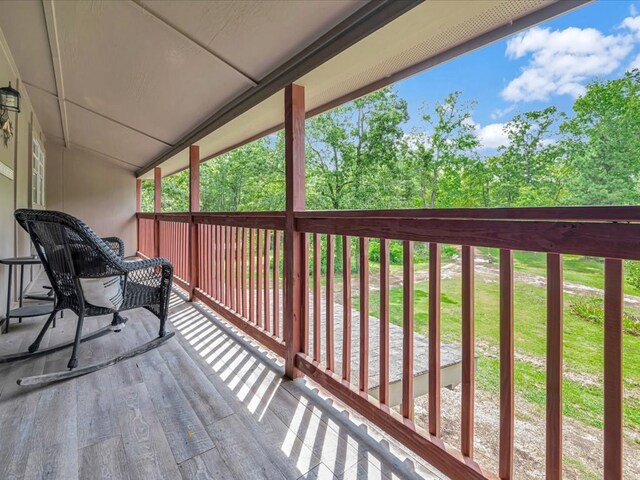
(37, 175)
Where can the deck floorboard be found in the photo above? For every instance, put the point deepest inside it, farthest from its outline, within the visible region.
(207, 404)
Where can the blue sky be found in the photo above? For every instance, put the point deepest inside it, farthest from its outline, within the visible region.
(548, 64)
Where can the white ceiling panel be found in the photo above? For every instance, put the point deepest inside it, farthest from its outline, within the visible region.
(127, 65)
(257, 120)
(255, 37)
(45, 105)
(24, 28)
(96, 133)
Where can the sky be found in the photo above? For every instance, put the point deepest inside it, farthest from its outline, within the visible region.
(549, 64)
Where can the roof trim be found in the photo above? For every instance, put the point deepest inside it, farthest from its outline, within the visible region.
(366, 20)
(542, 15)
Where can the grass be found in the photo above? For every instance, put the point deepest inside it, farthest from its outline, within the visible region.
(586, 271)
(583, 343)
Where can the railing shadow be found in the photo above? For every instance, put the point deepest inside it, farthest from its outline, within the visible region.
(301, 430)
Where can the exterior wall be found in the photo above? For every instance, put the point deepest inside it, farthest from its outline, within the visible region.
(100, 193)
(15, 193)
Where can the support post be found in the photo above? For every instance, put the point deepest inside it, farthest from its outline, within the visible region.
(138, 194)
(194, 206)
(138, 209)
(157, 208)
(294, 116)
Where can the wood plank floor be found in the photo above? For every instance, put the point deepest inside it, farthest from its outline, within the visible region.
(207, 404)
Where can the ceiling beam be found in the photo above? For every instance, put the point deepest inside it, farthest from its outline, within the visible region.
(54, 47)
(357, 26)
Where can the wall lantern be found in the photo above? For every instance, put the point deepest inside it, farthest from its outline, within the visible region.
(9, 102)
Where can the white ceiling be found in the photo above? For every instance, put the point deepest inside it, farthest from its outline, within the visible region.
(130, 79)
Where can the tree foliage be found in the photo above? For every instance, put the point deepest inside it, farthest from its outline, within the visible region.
(359, 157)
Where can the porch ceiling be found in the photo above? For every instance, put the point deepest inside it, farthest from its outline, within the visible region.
(138, 81)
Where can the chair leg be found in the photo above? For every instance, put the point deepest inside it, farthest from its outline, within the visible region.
(73, 361)
(36, 345)
(162, 332)
(118, 322)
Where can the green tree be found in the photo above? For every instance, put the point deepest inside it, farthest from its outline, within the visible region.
(353, 152)
(530, 169)
(604, 143)
(249, 178)
(441, 155)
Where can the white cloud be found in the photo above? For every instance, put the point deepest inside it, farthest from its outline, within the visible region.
(492, 135)
(632, 24)
(635, 63)
(502, 112)
(561, 61)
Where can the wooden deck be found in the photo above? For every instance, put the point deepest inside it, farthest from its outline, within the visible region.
(208, 404)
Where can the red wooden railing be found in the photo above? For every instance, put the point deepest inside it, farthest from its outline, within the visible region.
(174, 246)
(146, 235)
(239, 260)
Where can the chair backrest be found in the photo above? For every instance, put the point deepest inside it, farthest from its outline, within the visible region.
(69, 250)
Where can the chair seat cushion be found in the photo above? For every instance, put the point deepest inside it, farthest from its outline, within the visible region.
(103, 292)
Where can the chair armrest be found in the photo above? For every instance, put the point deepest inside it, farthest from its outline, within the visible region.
(132, 265)
(116, 244)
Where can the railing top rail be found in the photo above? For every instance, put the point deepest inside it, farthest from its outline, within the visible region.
(583, 214)
(609, 240)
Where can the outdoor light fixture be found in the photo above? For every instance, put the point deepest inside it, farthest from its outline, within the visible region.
(9, 102)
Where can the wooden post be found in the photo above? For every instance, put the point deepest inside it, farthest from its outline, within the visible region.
(613, 386)
(194, 206)
(294, 116)
(138, 194)
(157, 208)
(138, 209)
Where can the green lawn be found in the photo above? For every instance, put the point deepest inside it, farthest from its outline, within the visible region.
(583, 344)
(586, 271)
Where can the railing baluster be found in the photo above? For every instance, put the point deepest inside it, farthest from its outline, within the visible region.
(219, 264)
(329, 307)
(468, 352)
(202, 245)
(239, 291)
(243, 254)
(228, 249)
(613, 388)
(316, 297)
(267, 248)
(506, 364)
(232, 269)
(407, 330)
(434, 338)
(304, 274)
(364, 315)
(212, 256)
(259, 317)
(384, 321)
(276, 284)
(346, 308)
(554, 367)
(252, 317)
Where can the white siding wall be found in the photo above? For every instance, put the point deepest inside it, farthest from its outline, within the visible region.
(15, 193)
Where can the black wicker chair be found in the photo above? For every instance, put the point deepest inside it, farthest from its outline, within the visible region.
(71, 251)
